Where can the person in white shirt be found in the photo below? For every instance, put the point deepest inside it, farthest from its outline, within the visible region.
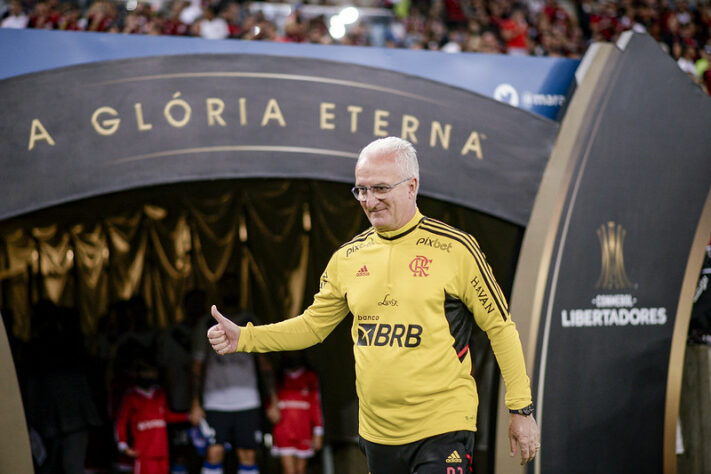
(16, 18)
(212, 26)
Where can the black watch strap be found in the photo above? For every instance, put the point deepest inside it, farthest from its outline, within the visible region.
(523, 411)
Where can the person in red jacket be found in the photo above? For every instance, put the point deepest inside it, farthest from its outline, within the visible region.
(141, 424)
(299, 431)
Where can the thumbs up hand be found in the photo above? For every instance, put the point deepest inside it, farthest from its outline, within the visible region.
(224, 335)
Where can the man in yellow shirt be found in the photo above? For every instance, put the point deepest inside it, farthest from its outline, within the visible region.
(415, 287)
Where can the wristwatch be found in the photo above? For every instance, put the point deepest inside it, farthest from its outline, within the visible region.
(523, 411)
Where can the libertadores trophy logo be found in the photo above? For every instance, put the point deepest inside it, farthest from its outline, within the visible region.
(616, 302)
(612, 268)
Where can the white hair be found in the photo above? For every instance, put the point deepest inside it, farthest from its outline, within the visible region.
(405, 155)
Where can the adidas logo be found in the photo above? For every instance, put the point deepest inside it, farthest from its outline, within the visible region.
(363, 271)
(454, 457)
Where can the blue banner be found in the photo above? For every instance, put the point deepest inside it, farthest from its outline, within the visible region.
(539, 85)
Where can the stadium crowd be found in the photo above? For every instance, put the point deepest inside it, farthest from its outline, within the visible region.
(532, 27)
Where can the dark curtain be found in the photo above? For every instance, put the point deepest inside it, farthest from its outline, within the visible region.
(275, 236)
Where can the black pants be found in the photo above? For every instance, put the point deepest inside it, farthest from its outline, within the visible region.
(241, 429)
(65, 453)
(448, 453)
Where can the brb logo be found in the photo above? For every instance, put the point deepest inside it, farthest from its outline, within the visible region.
(420, 265)
(389, 334)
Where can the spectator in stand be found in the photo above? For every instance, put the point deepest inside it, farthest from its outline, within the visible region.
(514, 31)
(16, 17)
(356, 36)
(101, 16)
(456, 40)
(155, 27)
(604, 24)
(671, 32)
(172, 25)
(295, 28)
(705, 17)
(134, 23)
(683, 13)
(250, 28)
(687, 60)
(231, 14)
(256, 27)
(319, 26)
(299, 430)
(490, 43)
(497, 11)
(69, 19)
(317, 32)
(454, 12)
(703, 67)
(555, 13)
(552, 39)
(190, 12)
(211, 26)
(44, 16)
(538, 27)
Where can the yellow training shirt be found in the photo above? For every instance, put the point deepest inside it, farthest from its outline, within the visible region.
(414, 294)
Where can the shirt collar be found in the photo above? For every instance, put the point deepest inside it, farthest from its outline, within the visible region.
(406, 229)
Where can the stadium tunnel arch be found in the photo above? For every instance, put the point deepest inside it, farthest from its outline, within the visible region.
(147, 154)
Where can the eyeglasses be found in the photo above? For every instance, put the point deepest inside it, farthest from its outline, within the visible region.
(378, 190)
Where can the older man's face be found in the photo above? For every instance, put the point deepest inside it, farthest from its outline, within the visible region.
(397, 207)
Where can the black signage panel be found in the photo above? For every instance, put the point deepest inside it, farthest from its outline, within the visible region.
(103, 127)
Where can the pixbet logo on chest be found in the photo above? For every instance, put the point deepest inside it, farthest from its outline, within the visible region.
(434, 244)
